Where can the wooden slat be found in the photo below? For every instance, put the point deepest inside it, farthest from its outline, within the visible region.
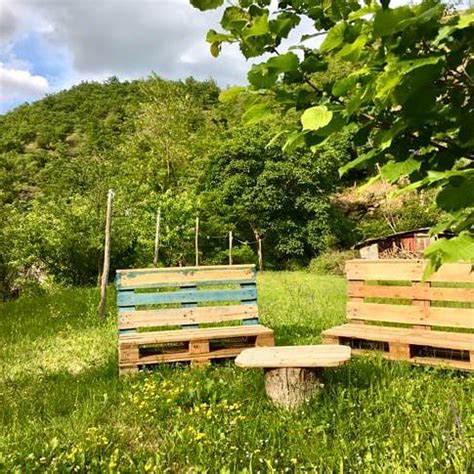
(180, 335)
(440, 339)
(294, 356)
(406, 270)
(193, 304)
(452, 363)
(421, 302)
(126, 298)
(180, 276)
(183, 316)
(404, 314)
(412, 292)
(182, 357)
(455, 364)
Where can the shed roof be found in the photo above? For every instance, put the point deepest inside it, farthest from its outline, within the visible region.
(396, 235)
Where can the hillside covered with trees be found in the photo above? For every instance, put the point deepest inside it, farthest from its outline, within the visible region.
(171, 145)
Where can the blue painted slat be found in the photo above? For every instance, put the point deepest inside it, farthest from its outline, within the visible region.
(123, 332)
(192, 288)
(127, 298)
(252, 286)
(250, 322)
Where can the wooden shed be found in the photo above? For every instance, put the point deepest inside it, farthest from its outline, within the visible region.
(406, 244)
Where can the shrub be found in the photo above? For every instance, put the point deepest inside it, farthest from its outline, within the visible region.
(331, 262)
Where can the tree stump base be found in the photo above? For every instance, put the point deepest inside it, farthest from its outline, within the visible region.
(289, 387)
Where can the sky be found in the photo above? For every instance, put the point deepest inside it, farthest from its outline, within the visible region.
(49, 45)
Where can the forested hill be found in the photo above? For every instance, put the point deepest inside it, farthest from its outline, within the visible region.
(162, 144)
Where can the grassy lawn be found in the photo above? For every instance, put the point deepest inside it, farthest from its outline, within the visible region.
(63, 408)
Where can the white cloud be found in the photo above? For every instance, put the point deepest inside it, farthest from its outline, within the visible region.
(18, 84)
(8, 24)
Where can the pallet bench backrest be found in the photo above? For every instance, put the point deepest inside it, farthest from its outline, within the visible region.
(186, 296)
(393, 291)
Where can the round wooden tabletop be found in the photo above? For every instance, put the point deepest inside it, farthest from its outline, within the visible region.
(324, 355)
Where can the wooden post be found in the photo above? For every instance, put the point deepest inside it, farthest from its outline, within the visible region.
(230, 247)
(157, 238)
(106, 267)
(260, 256)
(196, 242)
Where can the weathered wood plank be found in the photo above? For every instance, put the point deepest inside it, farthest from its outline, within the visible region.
(440, 339)
(180, 335)
(294, 356)
(166, 277)
(411, 292)
(451, 363)
(183, 316)
(406, 270)
(126, 298)
(405, 314)
(183, 357)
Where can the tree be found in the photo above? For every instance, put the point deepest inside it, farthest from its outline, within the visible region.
(408, 98)
(261, 191)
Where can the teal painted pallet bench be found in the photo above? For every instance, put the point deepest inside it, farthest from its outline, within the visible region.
(185, 314)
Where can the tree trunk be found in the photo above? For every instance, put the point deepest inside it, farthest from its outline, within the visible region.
(291, 387)
(105, 271)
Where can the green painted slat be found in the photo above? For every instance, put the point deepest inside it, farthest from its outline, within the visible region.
(179, 284)
(127, 298)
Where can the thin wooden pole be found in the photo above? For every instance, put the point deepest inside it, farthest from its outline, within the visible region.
(157, 238)
(106, 267)
(196, 242)
(260, 256)
(230, 247)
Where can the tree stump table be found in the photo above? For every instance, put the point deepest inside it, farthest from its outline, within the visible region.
(293, 373)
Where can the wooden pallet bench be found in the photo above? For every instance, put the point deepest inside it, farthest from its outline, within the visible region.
(187, 314)
(391, 309)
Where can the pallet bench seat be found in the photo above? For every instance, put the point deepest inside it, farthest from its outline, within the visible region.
(187, 314)
(385, 294)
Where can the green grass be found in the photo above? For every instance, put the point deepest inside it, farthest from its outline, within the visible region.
(63, 408)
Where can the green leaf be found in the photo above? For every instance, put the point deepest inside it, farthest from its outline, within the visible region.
(257, 113)
(394, 170)
(358, 162)
(464, 21)
(456, 249)
(383, 139)
(258, 27)
(396, 70)
(283, 63)
(351, 52)
(213, 35)
(294, 140)
(234, 19)
(315, 118)
(215, 48)
(261, 77)
(284, 23)
(231, 94)
(206, 4)
(275, 138)
(457, 194)
(388, 22)
(343, 86)
(334, 39)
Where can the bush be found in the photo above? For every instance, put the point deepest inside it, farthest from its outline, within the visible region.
(331, 262)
